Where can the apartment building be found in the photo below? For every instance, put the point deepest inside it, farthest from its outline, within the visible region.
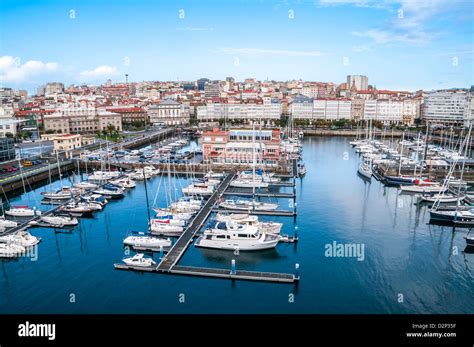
(268, 110)
(85, 119)
(447, 107)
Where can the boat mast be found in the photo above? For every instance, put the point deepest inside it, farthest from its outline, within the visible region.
(59, 169)
(22, 180)
(401, 155)
(253, 164)
(463, 163)
(147, 202)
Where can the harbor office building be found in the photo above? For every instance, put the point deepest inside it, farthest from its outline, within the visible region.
(237, 147)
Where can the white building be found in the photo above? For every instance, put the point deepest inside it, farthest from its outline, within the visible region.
(302, 107)
(169, 112)
(269, 110)
(446, 107)
(8, 123)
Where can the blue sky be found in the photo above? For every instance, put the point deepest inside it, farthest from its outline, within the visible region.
(399, 44)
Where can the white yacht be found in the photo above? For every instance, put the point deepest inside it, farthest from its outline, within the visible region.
(11, 250)
(365, 170)
(115, 193)
(95, 199)
(22, 238)
(160, 213)
(125, 182)
(139, 175)
(158, 227)
(23, 211)
(243, 218)
(231, 237)
(64, 193)
(60, 221)
(5, 223)
(444, 198)
(146, 241)
(423, 188)
(194, 189)
(247, 205)
(151, 170)
(169, 219)
(81, 208)
(101, 176)
(260, 177)
(85, 185)
(214, 175)
(190, 204)
(139, 260)
(248, 183)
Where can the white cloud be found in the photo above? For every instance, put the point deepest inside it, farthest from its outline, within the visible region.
(273, 52)
(102, 71)
(382, 37)
(13, 71)
(410, 21)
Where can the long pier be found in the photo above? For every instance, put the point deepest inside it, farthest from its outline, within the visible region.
(184, 240)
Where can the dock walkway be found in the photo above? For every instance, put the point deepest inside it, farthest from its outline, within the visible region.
(184, 240)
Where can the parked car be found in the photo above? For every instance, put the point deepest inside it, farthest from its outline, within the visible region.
(27, 163)
(36, 162)
(10, 168)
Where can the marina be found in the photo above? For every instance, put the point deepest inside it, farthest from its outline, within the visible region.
(184, 265)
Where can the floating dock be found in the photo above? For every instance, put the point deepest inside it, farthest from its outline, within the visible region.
(260, 195)
(217, 273)
(285, 213)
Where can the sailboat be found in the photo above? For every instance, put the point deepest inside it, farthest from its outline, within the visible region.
(59, 221)
(146, 240)
(365, 169)
(455, 214)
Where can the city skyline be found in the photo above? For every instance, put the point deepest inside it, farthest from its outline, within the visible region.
(398, 44)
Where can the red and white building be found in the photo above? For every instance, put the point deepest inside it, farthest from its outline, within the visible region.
(241, 146)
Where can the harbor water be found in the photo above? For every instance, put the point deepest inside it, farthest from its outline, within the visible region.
(407, 265)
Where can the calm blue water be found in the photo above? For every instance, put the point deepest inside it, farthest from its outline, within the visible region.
(403, 255)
